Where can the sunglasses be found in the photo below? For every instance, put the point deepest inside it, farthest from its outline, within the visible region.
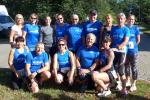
(60, 18)
(74, 19)
(33, 18)
(61, 44)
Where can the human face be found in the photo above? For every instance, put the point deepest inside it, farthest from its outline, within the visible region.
(61, 45)
(48, 20)
(75, 20)
(60, 19)
(39, 48)
(93, 17)
(33, 19)
(20, 44)
(121, 20)
(19, 20)
(106, 44)
(131, 20)
(90, 40)
(108, 20)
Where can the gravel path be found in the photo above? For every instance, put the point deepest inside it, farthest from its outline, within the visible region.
(143, 60)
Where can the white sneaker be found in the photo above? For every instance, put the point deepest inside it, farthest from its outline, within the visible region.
(133, 88)
(119, 86)
(128, 83)
(105, 93)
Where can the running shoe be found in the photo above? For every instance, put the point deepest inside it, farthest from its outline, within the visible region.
(128, 83)
(105, 93)
(133, 88)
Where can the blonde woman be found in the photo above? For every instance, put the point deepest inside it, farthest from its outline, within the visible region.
(16, 29)
(64, 63)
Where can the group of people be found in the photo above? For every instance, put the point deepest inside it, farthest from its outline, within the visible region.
(91, 54)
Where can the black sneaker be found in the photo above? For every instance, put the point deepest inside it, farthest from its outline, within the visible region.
(15, 85)
(83, 87)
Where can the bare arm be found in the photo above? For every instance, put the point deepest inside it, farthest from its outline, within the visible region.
(78, 65)
(46, 67)
(72, 60)
(28, 69)
(138, 39)
(110, 62)
(24, 34)
(10, 61)
(124, 43)
(55, 64)
(12, 33)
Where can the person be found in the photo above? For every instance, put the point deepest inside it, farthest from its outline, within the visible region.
(16, 62)
(106, 29)
(64, 63)
(31, 32)
(93, 26)
(60, 27)
(37, 68)
(74, 34)
(132, 53)
(106, 74)
(46, 35)
(86, 61)
(16, 29)
(120, 35)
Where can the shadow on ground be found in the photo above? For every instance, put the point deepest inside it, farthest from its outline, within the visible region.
(144, 44)
(65, 92)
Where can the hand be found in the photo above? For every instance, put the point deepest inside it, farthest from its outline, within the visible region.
(17, 74)
(33, 75)
(59, 79)
(83, 72)
(120, 47)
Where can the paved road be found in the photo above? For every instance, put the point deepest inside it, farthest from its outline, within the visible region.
(143, 61)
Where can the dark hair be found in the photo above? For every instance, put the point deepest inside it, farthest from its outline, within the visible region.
(62, 39)
(19, 39)
(107, 39)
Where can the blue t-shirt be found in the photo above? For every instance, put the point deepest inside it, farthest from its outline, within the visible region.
(90, 27)
(60, 31)
(36, 61)
(63, 60)
(132, 45)
(19, 59)
(32, 35)
(74, 34)
(118, 34)
(87, 56)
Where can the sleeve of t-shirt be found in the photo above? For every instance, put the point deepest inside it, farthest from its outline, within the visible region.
(97, 53)
(45, 57)
(25, 28)
(137, 31)
(127, 32)
(28, 58)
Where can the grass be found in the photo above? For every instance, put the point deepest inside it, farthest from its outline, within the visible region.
(50, 91)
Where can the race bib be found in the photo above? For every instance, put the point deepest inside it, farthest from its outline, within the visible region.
(131, 45)
(65, 69)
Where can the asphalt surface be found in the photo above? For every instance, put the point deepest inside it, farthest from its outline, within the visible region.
(143, 58)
